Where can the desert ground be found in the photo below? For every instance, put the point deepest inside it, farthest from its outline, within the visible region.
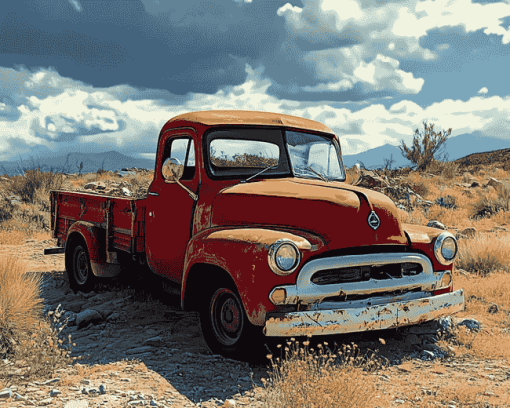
(126, 344)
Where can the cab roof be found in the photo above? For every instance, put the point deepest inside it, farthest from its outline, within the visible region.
(240, 117)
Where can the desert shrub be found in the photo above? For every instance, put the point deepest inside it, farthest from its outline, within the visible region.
(447, 169)
(487, 207)
(34, 184)
(425, 146)
(447, 201)
(304, 377)
(420, 187)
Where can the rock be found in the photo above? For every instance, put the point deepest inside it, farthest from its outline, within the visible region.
(73, 306)
(475, 184)
(88, 316)
(139, 350)
(445, 323)
(230, 403)
(90, 186)
(77, 404)
(154, 341)
(71, 318)
(470, 323)
(55, 392)
(493, 182)
(469, 231)
(436, 224)
(493, 308)
(113, 316)
(370, 180)
(126, 191)
(102, 389)
(427, 355)
(6, 393)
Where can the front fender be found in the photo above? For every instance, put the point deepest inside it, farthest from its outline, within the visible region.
(95, 239)
(243, 254)
(422, 239)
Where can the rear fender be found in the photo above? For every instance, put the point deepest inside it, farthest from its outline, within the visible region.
(95, 239)
(243, 254)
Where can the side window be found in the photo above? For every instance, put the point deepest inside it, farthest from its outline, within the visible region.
(183, 149)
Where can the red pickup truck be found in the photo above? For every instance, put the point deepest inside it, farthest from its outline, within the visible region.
(250, 221)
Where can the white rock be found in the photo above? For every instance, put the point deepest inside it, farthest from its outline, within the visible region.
(77, 404)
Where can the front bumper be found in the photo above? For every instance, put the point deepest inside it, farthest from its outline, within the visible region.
(357, 319)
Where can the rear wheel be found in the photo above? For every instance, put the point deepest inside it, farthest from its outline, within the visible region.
(225, 326)
(81, 277)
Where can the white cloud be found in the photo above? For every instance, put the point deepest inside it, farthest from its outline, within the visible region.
(483, 91)
(77, 114)
(76, 4)
(342, 37)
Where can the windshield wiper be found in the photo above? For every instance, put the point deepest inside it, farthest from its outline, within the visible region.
(323, 177)
(260, 172)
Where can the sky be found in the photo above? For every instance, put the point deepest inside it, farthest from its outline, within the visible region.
(100, 75)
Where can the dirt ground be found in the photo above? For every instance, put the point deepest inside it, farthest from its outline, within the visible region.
(179, 371)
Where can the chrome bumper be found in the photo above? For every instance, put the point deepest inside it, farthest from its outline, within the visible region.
(356, 319)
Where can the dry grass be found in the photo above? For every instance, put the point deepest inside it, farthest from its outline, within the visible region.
(304, 377)
(484, 253)
(29, 340)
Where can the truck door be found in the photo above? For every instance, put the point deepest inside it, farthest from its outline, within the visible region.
(169, 211)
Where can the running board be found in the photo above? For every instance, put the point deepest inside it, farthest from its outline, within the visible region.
(54, 250)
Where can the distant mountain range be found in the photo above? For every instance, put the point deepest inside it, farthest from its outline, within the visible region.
(456, 147)
(70, 163)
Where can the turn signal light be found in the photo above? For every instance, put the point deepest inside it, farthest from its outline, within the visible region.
(278, 296)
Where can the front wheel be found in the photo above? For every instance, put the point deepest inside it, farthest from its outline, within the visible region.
(81, 277)
(225, 326)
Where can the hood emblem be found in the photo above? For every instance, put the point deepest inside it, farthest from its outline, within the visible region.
(373, 220)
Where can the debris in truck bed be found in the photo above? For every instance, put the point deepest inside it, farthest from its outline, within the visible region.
(135, 187)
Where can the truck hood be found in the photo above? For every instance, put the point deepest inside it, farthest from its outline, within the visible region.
(335, 211)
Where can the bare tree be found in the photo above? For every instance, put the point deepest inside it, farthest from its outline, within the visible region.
(425, 146)
(388, 162)
(80, 167)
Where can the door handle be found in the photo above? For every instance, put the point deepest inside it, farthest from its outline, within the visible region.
(152, 193)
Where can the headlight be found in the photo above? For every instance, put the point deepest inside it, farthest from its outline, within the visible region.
(283, 257)
(445, 248)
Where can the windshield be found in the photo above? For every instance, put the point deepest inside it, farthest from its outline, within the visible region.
(245, 152)
(314, 156)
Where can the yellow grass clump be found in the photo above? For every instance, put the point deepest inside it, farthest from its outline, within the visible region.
(484, 253)
(304, 377)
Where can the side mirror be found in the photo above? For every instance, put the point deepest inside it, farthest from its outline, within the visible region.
(172, 170)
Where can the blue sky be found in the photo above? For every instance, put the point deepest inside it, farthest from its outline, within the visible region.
(97, 75)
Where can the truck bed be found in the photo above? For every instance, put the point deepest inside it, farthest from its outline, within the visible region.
(122, 218)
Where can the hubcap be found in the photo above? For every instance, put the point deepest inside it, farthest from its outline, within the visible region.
(81, 267)
(226, 316)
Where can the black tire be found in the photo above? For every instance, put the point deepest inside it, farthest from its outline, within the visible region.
(80, 274)
(225, 326)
